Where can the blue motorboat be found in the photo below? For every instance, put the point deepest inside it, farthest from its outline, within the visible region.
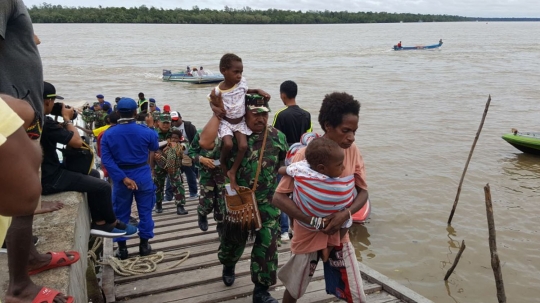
(433, 46)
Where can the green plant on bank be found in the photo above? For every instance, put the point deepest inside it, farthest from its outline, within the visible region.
(48, 13)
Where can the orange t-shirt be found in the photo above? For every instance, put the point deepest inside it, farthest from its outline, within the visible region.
(307, 241)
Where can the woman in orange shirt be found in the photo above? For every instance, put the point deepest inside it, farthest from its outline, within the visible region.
(338, 117)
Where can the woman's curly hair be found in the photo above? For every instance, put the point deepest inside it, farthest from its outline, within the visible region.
(335, 106)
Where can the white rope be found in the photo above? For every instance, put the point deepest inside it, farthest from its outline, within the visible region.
(136, 265)
(142, 265)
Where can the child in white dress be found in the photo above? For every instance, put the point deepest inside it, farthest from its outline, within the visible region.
(233, 90)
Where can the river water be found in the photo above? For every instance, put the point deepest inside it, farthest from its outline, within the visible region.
(420, 113)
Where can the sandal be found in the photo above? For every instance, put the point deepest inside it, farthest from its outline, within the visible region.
(55, 258)
(48, 295)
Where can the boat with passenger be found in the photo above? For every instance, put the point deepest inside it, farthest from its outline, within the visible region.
(192, 76)
(398, 46)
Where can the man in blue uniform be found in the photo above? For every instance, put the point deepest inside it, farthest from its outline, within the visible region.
(101, 100)
(126, 150)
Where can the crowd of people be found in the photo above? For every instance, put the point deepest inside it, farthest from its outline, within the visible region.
(145, 153)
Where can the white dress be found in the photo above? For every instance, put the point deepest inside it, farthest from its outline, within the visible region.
(234, 104)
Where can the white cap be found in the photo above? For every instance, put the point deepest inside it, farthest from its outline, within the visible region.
(175, 115)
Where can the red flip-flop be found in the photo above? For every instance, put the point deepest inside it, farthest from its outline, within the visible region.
(55, 257)
(48, 295)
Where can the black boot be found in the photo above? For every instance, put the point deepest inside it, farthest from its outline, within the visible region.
(122, 252)
(180, 210)
(228, 275)
(159, 207)
(203, 222)
(261, 294)
(144, 248)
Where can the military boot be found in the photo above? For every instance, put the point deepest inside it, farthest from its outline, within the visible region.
(159, 207)
(261, 294)
(228, 275)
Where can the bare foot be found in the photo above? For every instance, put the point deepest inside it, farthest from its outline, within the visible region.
(27, 294)
(49, 207)
(232, 178)
(44, 260)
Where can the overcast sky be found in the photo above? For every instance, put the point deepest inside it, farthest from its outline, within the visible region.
(469, 8)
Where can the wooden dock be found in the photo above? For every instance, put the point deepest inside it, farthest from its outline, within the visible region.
(198, 279)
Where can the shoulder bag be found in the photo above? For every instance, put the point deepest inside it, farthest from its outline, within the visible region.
(242, 212)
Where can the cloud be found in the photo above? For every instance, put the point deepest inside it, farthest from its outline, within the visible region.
(478, 8)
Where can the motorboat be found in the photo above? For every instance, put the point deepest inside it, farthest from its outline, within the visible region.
(195, 77)
(528, 142)
(417, 47)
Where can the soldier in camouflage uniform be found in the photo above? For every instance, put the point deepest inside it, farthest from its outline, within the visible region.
(100, 116)
(171, 161)
(163, 130)
(264, 256)
(211, 182)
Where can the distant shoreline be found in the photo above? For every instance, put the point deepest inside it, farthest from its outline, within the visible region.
(48, 13)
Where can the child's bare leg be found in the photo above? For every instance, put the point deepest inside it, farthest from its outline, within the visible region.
(325, 253)
(343, 232)
(241, 140)
(226, 146)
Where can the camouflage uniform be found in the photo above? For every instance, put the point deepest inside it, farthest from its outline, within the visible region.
(160, 174)
(100, 119)
(211, 181)
(171, 162)
(264, 257)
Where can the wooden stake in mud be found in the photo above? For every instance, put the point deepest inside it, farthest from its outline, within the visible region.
(469, 160)
(451, 270)
(495, 263)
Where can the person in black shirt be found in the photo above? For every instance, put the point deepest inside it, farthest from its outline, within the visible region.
(56, 178)
(293, 122)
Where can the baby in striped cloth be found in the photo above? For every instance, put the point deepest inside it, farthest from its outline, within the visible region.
(319, 191)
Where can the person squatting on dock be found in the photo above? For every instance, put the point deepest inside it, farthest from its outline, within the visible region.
(170, 160)
(211, 182)
(264, 256)
(127, 152)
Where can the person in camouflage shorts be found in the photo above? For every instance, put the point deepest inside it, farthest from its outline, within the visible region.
(211, 183)
(264, 256)
(163, 130)
(171, 161)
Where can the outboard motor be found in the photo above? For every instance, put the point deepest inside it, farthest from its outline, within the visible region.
(166, 72)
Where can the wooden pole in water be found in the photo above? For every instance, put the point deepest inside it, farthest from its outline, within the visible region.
(469, 160)
(495, 262)
(451, 270)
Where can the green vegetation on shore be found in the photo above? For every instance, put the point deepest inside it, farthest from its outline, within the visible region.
(48, 13)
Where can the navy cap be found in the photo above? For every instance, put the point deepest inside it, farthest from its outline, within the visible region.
(100, 96)
(152, 100)
(126, 105)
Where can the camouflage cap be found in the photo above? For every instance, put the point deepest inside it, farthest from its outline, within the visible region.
(164, 117)
(257, 103)
(97, 103)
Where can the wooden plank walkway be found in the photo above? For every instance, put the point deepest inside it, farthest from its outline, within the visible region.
(198, 279)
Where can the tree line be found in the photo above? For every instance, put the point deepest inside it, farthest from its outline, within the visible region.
(48, 13)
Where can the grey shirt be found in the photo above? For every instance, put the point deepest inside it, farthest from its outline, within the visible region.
(21, 72)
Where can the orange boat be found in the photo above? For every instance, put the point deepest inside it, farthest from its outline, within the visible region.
(363, 214)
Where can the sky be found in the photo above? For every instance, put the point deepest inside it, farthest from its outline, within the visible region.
(468, 8)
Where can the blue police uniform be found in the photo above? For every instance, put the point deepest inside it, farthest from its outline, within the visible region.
(124, 152)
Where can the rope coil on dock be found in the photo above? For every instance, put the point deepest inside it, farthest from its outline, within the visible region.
(136, 265)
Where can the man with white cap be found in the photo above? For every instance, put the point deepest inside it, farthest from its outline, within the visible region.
(188, 131)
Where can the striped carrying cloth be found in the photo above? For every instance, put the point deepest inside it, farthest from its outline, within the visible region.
(321, 198)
